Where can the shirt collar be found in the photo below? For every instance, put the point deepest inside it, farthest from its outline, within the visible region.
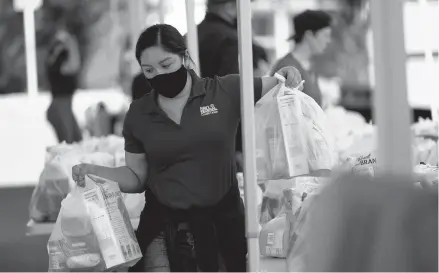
(150, 104)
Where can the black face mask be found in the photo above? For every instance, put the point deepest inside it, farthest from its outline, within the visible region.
(170, 85)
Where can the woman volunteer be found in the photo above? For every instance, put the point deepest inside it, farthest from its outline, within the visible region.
(180, 146)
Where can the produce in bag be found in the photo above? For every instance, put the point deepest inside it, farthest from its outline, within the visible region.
(280, 143)
(93, 231)
(275, 235)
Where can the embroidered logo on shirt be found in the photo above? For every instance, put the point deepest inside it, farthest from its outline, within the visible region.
(208, 110)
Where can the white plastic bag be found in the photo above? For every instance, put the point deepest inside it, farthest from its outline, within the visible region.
(93, 231)
(275, 235)
(320, 141)
(73, 246)
(52, 188)
(280, 144)
(134, 202)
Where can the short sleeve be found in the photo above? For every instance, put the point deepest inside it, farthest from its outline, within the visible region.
(132, 144)
(231, 85)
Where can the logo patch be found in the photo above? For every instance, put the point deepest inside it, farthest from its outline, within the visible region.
(208, 110)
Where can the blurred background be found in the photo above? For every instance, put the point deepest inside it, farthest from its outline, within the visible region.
(106, 31)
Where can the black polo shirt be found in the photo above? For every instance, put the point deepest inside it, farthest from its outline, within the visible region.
(191, 164)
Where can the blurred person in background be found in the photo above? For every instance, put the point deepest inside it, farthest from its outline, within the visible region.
(219, 49)
(362, 224)
(261, 66)
(63, 65)
(312, 34)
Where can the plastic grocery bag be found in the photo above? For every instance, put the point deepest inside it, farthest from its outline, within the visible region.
(274, 200)
(297, 248)
(275, 235)
(93, 231)
(55, 182)
(320, 140)
(134, 202)
(52, 188)
(281, 150)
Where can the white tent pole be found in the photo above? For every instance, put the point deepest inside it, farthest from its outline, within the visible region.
(162, 11)
(392, 113)
(428, 51)
(248, 134)
(192, 34)
(31, 55)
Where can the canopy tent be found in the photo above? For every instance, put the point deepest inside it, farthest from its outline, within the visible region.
(392, 112)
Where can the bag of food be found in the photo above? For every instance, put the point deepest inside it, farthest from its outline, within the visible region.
(93, 231)
(281, 147)
(274, 238)
(320, 141)
(272, 200)
(365, 164)
(55, 182)
(53, 186)
(297, 251)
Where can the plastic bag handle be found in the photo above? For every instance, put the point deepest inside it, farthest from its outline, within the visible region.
(280, 77)
(282, 80)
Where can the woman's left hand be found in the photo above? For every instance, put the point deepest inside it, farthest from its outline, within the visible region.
(292, 76)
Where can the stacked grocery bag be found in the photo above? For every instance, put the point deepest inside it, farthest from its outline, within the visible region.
(56, 182)
(295, 153)
(93, 230)
(300, 147)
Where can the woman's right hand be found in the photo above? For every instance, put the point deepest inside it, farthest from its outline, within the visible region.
(79, 172)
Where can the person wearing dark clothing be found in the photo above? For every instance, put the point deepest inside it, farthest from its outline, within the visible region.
(218, 39)
(139, 87)
(179, 149)
(219, 49)
(312, 35)
(62, 66)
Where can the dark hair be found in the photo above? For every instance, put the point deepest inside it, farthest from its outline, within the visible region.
(163, 35)
(310, 20)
